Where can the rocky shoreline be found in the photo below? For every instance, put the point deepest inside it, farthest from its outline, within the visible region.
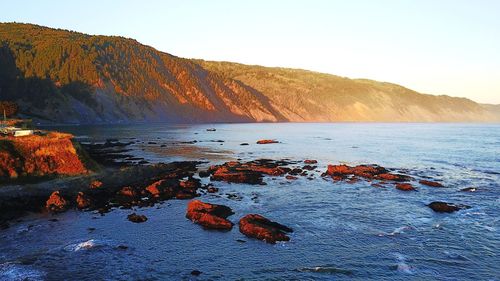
(131, 184)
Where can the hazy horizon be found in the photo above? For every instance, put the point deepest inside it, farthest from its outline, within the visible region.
(445, 48)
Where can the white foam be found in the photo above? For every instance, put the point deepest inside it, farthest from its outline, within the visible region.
(86, 245)
(402, 266)
(13, 272)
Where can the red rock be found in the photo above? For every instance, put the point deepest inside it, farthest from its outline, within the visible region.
(190, 183)
(310, 161)
(153, 188)
(267, 141)
(137, 218)
(224, 174)
(56, 203)
(378, 185)
(212, 190)
(367, 171)
(208, 215)
(338, 170)
(431, 183)
(405, 187)
(39, 156)
(443, 207)
(259, 227)
(393, 177)
(127, 191)
(95, 184)
(290, 177)
(353, 180)
(82, 201)
(186, 194)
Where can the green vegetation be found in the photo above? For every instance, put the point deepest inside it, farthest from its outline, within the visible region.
(65, 76)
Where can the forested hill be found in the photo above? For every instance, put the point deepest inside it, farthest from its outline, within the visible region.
(63, 76)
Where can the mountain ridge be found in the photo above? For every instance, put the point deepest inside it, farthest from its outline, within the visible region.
(64, 76)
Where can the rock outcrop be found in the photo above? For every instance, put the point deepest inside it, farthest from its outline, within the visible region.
(36, 156)
(211, 216)
(259, 227)
(56, 203)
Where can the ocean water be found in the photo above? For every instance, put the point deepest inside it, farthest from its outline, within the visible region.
(341, 231)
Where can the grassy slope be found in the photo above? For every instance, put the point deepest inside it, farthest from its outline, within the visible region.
(303, 95)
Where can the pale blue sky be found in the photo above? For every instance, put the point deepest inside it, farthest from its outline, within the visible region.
(433, 46)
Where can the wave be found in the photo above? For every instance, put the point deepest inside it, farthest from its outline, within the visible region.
(326, 269)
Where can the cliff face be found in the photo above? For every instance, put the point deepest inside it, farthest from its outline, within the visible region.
(64, 76)
(39, 156)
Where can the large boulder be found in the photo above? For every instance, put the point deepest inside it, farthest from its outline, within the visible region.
(259, 227)
(208, 215)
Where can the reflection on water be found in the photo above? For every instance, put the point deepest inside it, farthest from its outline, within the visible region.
(341, 231)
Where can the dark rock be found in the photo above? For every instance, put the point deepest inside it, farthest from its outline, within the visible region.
(430, 183)
(196, 273)
(469, 189)
(245, 143)
(443, 207)
(310, 161)
(137, 218)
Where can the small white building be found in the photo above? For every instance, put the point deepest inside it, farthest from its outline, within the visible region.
(14, 131)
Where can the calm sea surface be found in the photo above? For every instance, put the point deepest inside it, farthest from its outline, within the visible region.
(341, 231)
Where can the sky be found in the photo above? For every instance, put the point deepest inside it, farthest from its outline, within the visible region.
(441, 47)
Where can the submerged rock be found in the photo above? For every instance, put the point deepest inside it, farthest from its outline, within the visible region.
(469, 189)
(208, 215)
(56, 203)
(137, 218)
(259, 227)
(430, 183)
(196, 273)
(310, 161)
(443, 207)
(405, 187)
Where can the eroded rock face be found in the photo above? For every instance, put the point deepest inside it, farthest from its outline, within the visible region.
(208, 215)
(443, 207)
(259, 227)
(39, 156)
(430, 183)
(56, 203)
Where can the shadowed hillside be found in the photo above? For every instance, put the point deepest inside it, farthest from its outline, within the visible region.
(64, 76)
